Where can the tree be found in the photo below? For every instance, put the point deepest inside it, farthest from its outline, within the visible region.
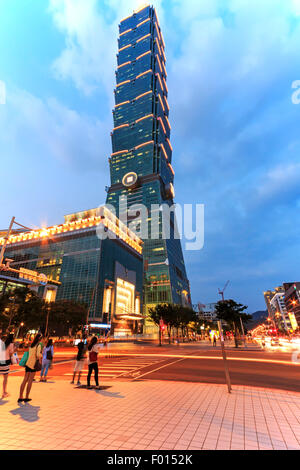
(232, 312)
(158, 313)
(65, 317)
(187, 318)
(21, 305)
(174, 316)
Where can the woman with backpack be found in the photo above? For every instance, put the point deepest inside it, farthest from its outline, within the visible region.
(47, 360)
(33, 364)
(93, 349)
(9, 349)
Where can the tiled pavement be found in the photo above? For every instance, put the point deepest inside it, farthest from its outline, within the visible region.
(149, 415)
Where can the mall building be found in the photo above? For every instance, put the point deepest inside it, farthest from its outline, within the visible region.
(92, 258)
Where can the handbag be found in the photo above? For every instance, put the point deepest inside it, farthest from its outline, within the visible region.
(24, 359)
(14, 358)
(37, 365)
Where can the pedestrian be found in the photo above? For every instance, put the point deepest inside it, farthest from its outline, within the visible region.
(8, 350)
(80, 358)
(48, 353)
(214, 341)
(33, 364)
(93, 349)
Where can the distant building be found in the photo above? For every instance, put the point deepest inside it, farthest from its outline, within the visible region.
(292, 302)
(208, 311)
(141, 163)
(278, 314)
(105, 274)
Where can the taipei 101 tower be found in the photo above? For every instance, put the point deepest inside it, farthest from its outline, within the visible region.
(141, 160)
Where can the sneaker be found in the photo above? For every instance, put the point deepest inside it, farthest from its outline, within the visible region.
(78, 383)
(72, 382)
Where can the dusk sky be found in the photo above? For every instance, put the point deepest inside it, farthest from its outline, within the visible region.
(235, 130)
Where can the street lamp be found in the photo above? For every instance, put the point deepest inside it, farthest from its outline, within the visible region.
(21, 324)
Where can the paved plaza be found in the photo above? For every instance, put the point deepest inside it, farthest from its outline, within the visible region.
(149, 415)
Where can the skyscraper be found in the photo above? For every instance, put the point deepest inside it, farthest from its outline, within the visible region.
(141, 160)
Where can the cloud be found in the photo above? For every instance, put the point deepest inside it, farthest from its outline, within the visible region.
(90, 28)
(77, 141)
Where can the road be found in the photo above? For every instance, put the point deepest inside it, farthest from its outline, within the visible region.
(192, 362)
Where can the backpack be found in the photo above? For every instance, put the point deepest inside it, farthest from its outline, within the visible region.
(92, 356)
(49, 355)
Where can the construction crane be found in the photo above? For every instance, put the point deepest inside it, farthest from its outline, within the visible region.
(221, 292)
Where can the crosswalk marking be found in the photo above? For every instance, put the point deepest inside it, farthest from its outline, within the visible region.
(100, 375)
(130, 366)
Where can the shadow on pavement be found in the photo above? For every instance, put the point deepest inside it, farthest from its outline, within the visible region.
(102, 391)
(93, 387)
(109, 394)
(27, 412)
(2, 402)
(48, 382)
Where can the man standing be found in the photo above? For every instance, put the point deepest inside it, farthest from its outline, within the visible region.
(80, 358)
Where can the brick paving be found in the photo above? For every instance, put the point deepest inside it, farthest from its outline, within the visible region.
(149, 415)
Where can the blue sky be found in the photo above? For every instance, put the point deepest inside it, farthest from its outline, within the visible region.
(235, 130)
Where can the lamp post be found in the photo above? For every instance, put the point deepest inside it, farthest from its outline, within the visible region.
(161, 322)
(6, 240)
(243, 331)
(6, 237)
(227, 376)
(21, 324)
(47, 320)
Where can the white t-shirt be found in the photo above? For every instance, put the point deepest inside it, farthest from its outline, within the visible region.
(2, 351)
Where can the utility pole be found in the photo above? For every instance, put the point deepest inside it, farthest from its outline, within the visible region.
(161, 322)
(224, 357)
(6, 237)
(47, 320)
(243, 332)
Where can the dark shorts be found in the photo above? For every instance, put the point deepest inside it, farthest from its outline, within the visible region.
(27, 369)
(4, 367)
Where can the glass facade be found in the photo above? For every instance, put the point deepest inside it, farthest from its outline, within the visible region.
(141, 145)
(84, 265)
